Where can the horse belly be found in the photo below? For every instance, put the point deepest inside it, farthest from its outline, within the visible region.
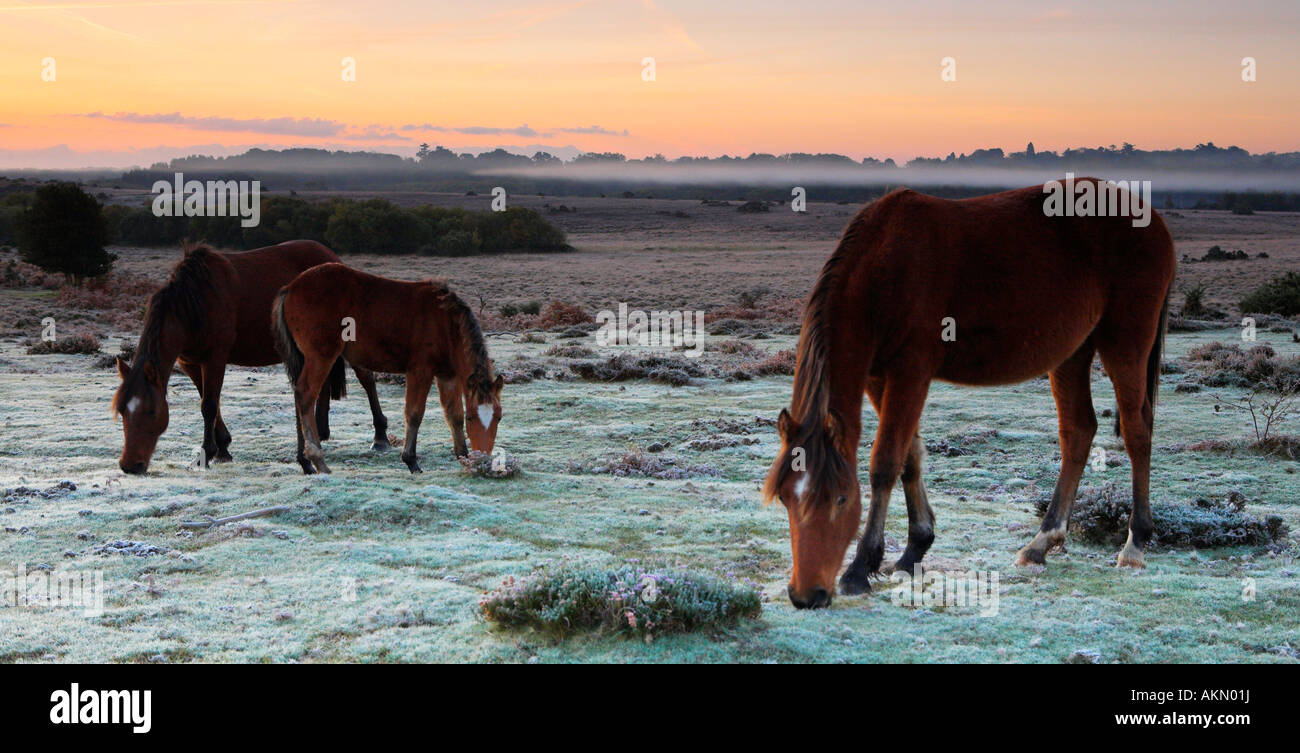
(1013, 353)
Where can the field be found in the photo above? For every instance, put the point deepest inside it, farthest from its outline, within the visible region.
(373, 564)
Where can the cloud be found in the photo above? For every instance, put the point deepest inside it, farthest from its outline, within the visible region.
(523, 130)
(278, 126)
(592, 129)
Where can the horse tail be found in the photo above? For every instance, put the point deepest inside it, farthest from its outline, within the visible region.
(338, 384)
(1155, 359)
(284, 342)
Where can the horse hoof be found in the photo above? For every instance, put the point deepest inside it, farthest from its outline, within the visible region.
(1028, 557)
(1131, 557)
(852, 584)
(903, 566)
(380, 446)
(415, 468)
(222, 457)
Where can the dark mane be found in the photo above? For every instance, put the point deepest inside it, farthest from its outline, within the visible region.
(480, 379)
(810, 402)
(182, 298)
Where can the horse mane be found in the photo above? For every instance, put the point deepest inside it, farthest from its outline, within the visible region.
(182, 297)
(463, 319)
(810, 403)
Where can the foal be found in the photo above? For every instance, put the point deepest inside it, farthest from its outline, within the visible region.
(421, 329)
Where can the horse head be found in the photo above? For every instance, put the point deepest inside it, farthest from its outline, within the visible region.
(141, 401)
(816, 482)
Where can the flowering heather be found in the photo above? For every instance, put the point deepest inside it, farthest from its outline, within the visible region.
(631, 600)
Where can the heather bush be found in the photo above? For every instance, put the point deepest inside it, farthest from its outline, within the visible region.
(630, 600)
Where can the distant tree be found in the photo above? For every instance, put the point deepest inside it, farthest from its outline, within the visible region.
(1029, 149)
(64, 231)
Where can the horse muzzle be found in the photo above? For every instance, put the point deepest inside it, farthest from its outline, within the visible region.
(818, 598)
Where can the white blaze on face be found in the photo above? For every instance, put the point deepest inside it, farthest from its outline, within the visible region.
(485, 414)
(132, 404)
(801, 486)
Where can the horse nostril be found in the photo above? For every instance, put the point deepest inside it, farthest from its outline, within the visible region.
(820, 598)
(133, 468)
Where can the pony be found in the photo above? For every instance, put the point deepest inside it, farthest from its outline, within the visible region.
(215, 310)
(988, 290)
(421, 329)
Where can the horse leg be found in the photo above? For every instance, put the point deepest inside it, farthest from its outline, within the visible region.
(195, 372)
(1077, 425)
(367, 380)
(1136, 421)
(214, 376)
(417, 391)
(323, 415)
(902, 400)
(453, 408)
(306, 393)
(920, 518)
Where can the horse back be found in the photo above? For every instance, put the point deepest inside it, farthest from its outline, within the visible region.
(394, 325)
(992, 290)
(250, 282)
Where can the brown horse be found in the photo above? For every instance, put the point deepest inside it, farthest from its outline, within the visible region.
(421, 329)
(981, 291)
(215, 310)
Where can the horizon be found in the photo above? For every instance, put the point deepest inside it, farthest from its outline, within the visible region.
(121, 83)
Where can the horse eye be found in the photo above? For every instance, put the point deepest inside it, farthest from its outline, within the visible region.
(841, 500)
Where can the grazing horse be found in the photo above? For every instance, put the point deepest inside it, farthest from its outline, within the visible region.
(421, 329)
(982, 291)
(215, 310)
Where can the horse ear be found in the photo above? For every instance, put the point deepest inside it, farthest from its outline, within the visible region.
(785, 424)
(123, 368)
(834, 429)
(497, 384)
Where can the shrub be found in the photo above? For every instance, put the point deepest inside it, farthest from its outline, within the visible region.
(1216, 253)
(561, 314)
(79, 344)
(1193, 300)
(1220, 365)
(1101, 517)
(673, 370)
(570, 350)
(1280, 295)
(64, 231)
(630, 600)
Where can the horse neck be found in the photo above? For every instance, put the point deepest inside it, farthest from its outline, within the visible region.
(846, 370)
(166, 348)
(461, 356)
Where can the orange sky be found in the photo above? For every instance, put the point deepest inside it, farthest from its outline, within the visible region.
(140, 80)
